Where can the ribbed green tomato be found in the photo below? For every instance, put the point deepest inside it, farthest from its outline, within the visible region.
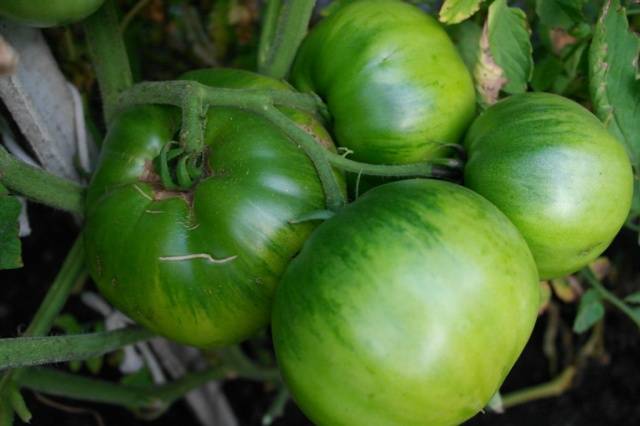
(556, 172)
(200, 267)
(392, 79)
(409, 307)
(48, 13)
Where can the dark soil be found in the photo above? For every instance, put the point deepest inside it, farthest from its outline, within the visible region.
(604, 393)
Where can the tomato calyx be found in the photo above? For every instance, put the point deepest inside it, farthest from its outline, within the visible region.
(178, 168)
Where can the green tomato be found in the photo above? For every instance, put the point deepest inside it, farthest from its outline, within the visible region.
(556, 172)
(393, 81)
(48, 13)
(200, 267)
(409, 307)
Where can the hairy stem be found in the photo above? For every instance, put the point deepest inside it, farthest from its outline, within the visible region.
(177, 92)
(73, 270)
(55, 382)
(439, 168)
(39, 185)
(109, 56)
(267, 34)
(280, 39)
(28, 351)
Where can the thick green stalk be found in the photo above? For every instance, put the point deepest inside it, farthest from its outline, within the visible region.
(28, 351)
(109, 56)
(178, 92)
(55, 382)
(280, 39)
(439, 168)
(269, 25)
(39, 185)
(72, 271)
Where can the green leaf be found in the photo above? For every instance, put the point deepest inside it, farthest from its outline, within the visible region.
(574, 58)
(456, 11)
(552, 15)
(633, 298)
(560, 13)
(10, 246)
(510, 45)
(547, 71)
(613, 81)
(590, 311)
(466, 37)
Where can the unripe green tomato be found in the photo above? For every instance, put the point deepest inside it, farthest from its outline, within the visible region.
(556, 172)
(408, 307)
(47, 13)
(393, 81)
(201, 266)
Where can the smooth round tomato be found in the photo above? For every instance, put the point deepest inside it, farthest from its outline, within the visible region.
(200, 267)
(556, 172)
(393, 81)
(48, 13)
(408, 307)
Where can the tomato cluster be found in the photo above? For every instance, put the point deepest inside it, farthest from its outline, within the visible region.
(412, 303)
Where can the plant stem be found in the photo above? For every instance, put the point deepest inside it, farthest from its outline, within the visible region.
(39, 185)
(240, 365)
(194, 98)
(177, 92)
(555, 387)
(442, 168)
(141, 4)
(269, 24)
(276, 409)
(28, 351)
(68, 385)
(280, 40)
(108, 55)
(334, 198)
(609, 296)
(73, 269)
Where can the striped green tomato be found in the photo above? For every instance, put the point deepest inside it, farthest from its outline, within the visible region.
(409, 307)
(556, 172)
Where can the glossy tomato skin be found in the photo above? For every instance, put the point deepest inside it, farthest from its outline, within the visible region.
(393, 81)
(409, 307)
(152, 251)
(47, 13)
(556, 172)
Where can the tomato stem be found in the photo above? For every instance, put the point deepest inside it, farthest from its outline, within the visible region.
(73, 271)
(555, 387)
(109, 56)
(155, 398)
(39, 185)
(285, 25)
(439, 168)
(29, 351)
